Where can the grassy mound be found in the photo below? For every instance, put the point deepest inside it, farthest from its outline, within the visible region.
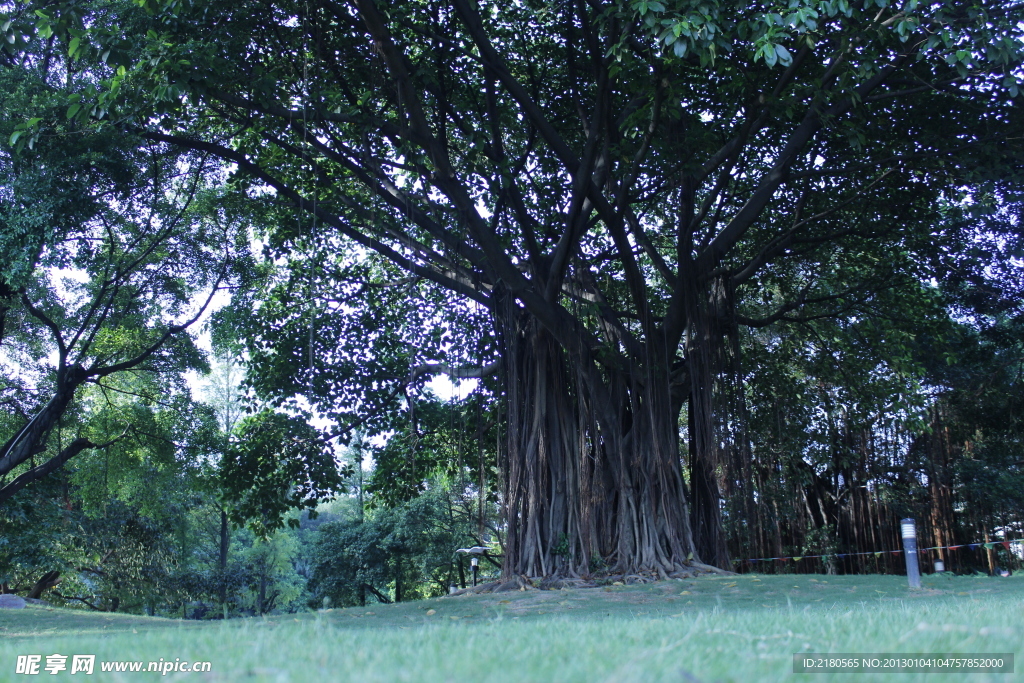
(741, 628)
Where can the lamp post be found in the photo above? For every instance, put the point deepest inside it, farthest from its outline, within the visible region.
(910, 551)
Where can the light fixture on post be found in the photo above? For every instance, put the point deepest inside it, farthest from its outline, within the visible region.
(910, 551)
(474, 561)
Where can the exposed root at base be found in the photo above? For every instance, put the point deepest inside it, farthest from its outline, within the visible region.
(548, 583)
(711, 570)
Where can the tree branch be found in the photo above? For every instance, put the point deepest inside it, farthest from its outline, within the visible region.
(53, 327)
(54, 463)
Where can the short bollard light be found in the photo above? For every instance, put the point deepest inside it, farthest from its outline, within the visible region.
(940, 566)
(910, 551)
(475, 552)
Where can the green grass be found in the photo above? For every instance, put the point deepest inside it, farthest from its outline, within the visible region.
(742, 628)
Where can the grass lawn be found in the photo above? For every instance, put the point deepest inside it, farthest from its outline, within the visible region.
(743, 628)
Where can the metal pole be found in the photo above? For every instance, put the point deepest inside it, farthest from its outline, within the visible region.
(910, 551)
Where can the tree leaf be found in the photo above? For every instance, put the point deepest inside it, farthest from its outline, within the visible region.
(785, 58)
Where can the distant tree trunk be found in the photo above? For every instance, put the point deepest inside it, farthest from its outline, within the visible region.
(939, 457)
(990, 554)
(359, 471)
(47, 580)
(376, 593)
(223, 559)
(261, 595)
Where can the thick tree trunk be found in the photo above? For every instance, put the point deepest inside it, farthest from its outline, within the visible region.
(708, 312)
(31, 439)
(593, 478)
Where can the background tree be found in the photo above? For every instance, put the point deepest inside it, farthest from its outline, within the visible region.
(113, 525)
(222, 391)
(398, 553)
(106, 241)
(856, 422)
(276, 463)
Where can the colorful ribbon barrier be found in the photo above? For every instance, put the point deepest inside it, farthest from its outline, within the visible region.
(878, 553)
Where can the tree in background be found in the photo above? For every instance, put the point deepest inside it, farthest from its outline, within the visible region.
(275, 464)
(222, 391)
(398, 553)
(855, 424)
(107, 242)
(971, 455)
(112, 527)
(112, 248)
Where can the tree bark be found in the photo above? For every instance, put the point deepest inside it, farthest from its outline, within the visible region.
(705, 513)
